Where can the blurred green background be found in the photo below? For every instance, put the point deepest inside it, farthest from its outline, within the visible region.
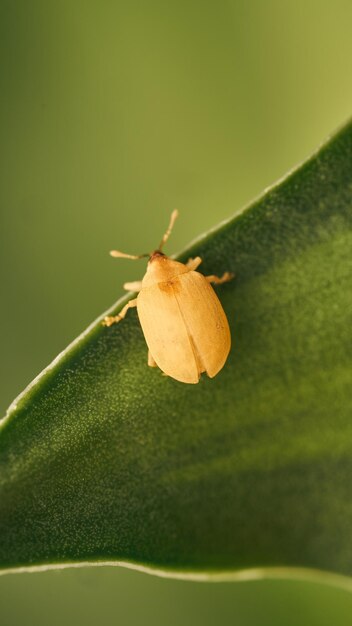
(112, 114)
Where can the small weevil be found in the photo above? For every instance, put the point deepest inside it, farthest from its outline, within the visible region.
(183, 322)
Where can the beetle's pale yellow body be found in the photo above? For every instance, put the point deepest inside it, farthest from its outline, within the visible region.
(183, 322)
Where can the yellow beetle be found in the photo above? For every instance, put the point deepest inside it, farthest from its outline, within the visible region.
(183, 322)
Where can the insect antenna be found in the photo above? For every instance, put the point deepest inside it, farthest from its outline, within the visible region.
(122, 255)
(173, 218)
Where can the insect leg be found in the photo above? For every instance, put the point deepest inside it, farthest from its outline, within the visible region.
(109, 320)
(135, 286)
(225, 278)
(192, 264)
(151, 361)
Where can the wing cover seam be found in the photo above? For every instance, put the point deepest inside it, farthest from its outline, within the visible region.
(197, 357)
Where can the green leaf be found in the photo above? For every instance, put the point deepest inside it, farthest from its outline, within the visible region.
(105, 460)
